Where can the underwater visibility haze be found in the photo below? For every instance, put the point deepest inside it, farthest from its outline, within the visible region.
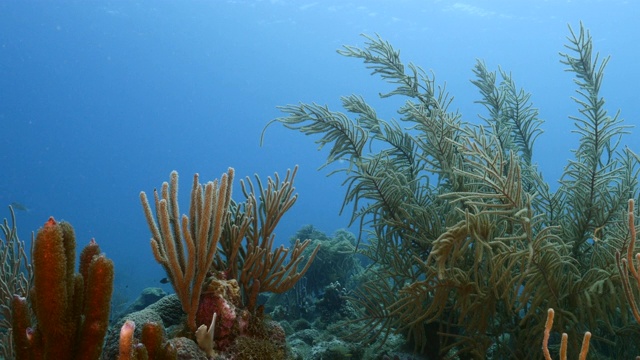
(455, 169)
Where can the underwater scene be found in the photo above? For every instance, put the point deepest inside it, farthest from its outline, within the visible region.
(283, 179)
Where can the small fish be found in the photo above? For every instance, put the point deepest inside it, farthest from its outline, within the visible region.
(18, 206)
(164, 281)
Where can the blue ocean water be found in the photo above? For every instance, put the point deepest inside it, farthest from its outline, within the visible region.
(100, 100)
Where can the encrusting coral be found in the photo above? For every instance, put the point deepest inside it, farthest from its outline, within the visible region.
(71, 309)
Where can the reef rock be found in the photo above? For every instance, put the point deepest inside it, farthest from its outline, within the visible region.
(147, 297)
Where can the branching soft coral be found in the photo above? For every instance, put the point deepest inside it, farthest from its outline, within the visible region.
(469, 240)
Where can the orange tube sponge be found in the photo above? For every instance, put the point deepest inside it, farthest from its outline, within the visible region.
(71, 309)
(126, 340)
(98, 288)
(52, 282)
(154, 340)
(153, 344)
(20, 326)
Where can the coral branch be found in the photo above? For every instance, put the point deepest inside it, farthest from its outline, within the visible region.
(264, 268)
(584, 350)
(16, 276)
(199, 234)
(626, 264)
(547, 331)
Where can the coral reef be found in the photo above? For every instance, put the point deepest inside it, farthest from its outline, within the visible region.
(333, 304)
(466, 241)
(336, 260)
(470, 245)
(71, 309)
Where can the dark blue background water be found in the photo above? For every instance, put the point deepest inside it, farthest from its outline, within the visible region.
(100, 100)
